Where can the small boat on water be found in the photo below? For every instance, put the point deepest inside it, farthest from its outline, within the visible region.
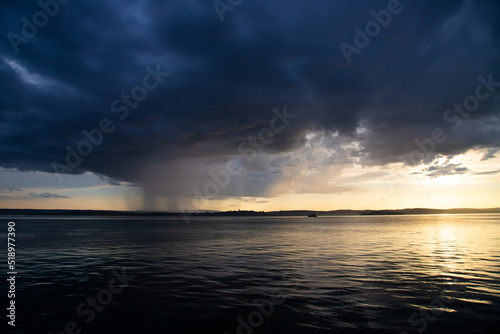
(312, 215)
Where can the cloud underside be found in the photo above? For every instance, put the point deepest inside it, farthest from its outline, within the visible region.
(226, 78)
(48, 195)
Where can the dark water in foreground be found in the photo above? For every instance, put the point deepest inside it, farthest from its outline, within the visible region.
(311, 275)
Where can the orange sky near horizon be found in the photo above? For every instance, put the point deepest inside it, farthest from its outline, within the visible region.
(390, 187)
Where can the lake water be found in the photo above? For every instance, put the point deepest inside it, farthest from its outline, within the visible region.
(368, 274)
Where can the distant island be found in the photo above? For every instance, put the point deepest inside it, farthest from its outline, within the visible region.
(383, 213)
(243, 213)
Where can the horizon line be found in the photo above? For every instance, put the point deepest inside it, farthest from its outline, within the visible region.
(256, 211)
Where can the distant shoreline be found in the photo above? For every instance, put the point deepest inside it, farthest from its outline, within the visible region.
(241, 213)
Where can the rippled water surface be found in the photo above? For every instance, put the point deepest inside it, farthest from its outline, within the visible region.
(368, 274)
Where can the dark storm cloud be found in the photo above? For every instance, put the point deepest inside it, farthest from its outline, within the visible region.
(225, 78)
